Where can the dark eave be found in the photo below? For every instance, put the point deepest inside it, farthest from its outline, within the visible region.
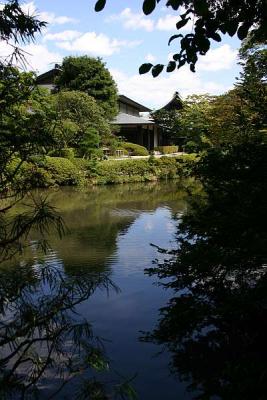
(48, 77)
(130, 102)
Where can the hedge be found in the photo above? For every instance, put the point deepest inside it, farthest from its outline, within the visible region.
(135, 170)
(167, 149)
(50, 171)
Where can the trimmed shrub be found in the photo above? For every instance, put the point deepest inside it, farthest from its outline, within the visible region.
(134, 149)
(135, 170)
(63, 171)
(65, 152)
(167, 149)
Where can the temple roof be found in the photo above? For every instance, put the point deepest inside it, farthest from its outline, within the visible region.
(127, 119)
(130, 102)
(48, 77)
(175, 103)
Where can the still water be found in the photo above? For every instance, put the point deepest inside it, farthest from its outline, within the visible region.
(111, 229)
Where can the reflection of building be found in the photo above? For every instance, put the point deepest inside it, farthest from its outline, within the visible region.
(134, 127)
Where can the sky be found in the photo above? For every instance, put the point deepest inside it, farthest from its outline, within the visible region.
(125, 38)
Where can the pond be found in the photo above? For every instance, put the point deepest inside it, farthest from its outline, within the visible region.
(110, 230)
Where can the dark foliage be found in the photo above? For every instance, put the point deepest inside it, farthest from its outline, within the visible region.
(216, 324)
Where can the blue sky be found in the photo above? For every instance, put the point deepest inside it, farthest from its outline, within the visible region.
(124, 38)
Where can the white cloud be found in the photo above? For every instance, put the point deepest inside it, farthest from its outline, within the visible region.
(221, 58)
(38, 58)
(168, 23)
(65, 35)
(96, 44)
(155, 92)
(133, 20)
(150, 58)
(49, 17)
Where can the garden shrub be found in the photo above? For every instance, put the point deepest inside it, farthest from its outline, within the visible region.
(134, 149)
(63, 171)
(167, 149)
(65, 152)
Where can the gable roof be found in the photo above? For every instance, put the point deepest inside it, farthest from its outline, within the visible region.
(130, 102)
(175, 103)
(48, 76)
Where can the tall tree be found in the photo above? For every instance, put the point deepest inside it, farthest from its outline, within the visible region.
(208, 20)
(90, 75)
(79, 120)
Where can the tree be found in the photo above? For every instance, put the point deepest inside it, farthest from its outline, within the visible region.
(17, 26)
(210, 20)
(251, 84)
(168, 121)
(215, 323)
(80, 121)
(194, 123)
(89, 75)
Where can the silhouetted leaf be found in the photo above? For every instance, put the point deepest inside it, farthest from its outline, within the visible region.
(171, 66)
(243, 31)
(149, 6)
(100, 4)
(176, 57)
(192, 68)
(231, 27)
(204, 44)
(215, 36)
(157, 69)
(175, 4)
(181, 63)
(201, 7)
(182, 23)
(174, 37)
(144, 68)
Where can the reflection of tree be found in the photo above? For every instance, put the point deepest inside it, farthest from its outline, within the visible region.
(216, 325)
(41, 334)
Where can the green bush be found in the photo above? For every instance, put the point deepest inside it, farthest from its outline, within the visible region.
(167, 149)
(134, 149)
(135, 170)
(65, 152)
(63, 171)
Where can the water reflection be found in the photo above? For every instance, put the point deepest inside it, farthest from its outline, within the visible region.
(108, 237)
(44, 342)
(216, 324)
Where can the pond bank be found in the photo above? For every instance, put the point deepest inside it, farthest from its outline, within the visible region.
(58, 171)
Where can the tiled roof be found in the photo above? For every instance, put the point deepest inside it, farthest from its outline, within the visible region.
(127, 119)
(127, 100)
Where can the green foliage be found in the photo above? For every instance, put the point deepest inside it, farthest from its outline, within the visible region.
(141, 170)
(65, 152)
(169, 122)
(167, 149)
(80, 122)
(207, 20)
(62, 170)
(89, 75)
(194, 122)
(134, 149)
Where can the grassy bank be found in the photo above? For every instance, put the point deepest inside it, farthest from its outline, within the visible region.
(58, 171)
